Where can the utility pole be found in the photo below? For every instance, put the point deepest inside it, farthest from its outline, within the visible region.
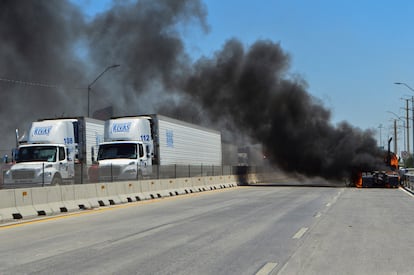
(408, 127)
(395, 137)
(380, 137)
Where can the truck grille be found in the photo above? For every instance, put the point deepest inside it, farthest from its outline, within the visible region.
(23, 174)
(108, 171)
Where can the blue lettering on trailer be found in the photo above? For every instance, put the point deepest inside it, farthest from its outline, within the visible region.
(68, 140)
(121, 127)
(169, 134)
(42, 131)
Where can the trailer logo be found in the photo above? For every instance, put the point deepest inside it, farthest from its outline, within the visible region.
(42, 131)
(169, 135)
(121, 127)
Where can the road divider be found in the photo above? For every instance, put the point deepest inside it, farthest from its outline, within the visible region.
(23, 203)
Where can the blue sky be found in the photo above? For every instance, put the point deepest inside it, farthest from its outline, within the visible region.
(349, 52)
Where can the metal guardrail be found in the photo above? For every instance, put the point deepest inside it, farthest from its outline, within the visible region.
(407, 180)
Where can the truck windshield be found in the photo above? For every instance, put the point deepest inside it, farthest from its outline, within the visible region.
(115, 151)
(36, 153)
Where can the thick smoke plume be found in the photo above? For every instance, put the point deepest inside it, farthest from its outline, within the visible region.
(246, 92)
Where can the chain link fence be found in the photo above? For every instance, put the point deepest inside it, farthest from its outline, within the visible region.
(95, 174)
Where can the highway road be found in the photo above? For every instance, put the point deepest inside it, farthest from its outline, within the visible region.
(243, 230)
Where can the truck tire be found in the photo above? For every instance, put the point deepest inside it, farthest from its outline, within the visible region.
(57, 180)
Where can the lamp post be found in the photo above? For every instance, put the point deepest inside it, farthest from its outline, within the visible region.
(380, 137)
(395, 131)
(412, 102)
(93, 82)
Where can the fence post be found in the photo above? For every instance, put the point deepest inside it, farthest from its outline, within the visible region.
(43, 174)
(81, 172)
(112, 178)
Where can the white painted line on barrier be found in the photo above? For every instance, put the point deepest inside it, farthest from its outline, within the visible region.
(300, 233)
(266, 269)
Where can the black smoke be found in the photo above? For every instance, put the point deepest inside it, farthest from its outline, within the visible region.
(246, 92)
(251, 89)
(37, 60)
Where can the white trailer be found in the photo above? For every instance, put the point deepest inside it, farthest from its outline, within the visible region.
(133, 144)
(56, 151)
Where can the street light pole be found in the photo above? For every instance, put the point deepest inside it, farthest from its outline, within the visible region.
(395, 131)
(93, 82)
(412, 101)
(380, 142)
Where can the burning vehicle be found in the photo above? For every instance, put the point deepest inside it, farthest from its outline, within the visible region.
(388, 178)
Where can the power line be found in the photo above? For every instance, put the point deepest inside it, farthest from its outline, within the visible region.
(29, 83)
(38, 84)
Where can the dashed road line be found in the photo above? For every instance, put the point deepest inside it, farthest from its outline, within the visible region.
(318, 215)
(300, 233)
(266, 269)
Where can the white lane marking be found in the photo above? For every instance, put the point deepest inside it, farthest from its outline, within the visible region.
(334, 199)
(409, 193)
(300, 233)
(318, 215)
(266, 269)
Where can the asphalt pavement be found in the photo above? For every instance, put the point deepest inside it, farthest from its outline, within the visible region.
(244, 230)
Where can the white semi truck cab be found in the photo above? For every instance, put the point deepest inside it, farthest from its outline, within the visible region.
(134, 145)
(53, 148)
(127, 151)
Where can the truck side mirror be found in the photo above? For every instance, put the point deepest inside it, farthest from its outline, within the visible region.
(68, 155)
(148, 151)
(92, 154)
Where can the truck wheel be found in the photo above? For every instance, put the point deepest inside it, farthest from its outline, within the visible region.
(57, 180)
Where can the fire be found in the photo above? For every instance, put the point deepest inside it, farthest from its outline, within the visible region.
(356, 179)
(394, 161)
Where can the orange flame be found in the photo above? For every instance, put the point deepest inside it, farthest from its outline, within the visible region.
(394, 161)
(358, 180)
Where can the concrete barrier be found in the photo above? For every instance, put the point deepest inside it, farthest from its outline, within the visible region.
(113, 191)
(8, 210)
(41, 202)
(54, 198)
(68, 198)
(31, 202)
(126, 191)
(102, 194)
(24, 202)
(197, 182)
(182, 185)
(185, 184)
(147, 189)
(168, 187)
(86, 196)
